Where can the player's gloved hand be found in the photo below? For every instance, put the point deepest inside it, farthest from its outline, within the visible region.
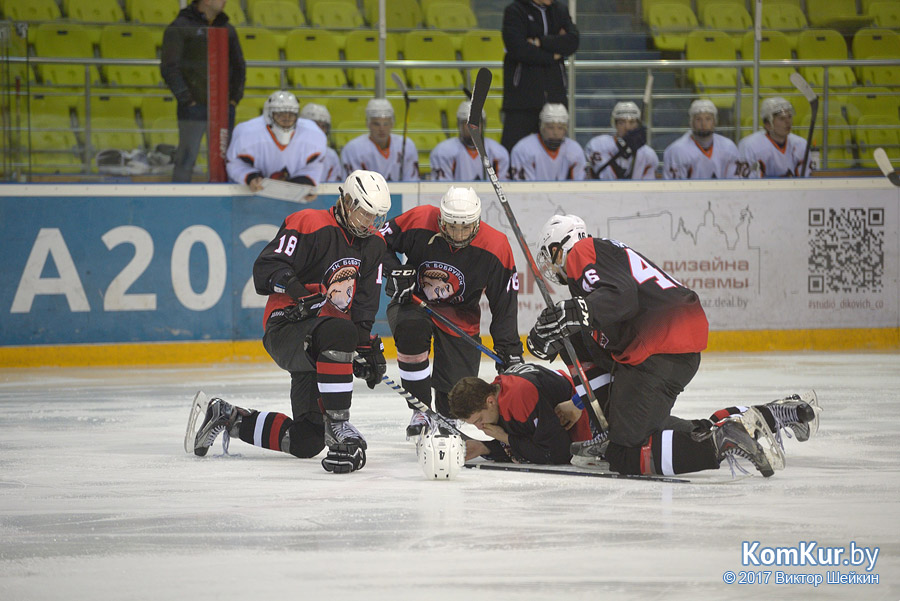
(563, 319)
(307, 306)
(400, 284)
(369, 363)
(343, 459)
(635, 138)
(507, 361)
(543, 348)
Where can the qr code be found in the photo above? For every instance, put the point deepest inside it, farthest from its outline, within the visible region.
(846, 250)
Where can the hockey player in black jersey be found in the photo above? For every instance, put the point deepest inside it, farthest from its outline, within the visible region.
(452, 258)
(321, 275)
(639, 333)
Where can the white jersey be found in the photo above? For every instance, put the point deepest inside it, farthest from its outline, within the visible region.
(362, 153)
(452, 161)
(763, 157)
(530, 160)
(254, 149)
(333, 170)
(685, 159)
(602, 148)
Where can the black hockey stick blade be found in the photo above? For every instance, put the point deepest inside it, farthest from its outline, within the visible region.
(479, 95)
(884, 163)
(570, 471)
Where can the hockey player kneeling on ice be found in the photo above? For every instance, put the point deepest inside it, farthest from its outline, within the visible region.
(441, 454)
(320, 273)
(548, 155)
(452, 258)
(638, 334)
(277, 145)
(527, 410)
(774, 151)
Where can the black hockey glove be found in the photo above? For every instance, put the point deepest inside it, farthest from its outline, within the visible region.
(307, 306)
(541, 347)
(563, 319)
(507, 361)
(369, 363)
(400, 284)
(635, 138)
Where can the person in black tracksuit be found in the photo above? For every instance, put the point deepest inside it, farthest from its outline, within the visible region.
(184, 68)
(539, 35)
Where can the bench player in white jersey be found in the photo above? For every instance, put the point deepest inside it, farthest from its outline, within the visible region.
(774, 151)
(276, 145)
(625, 154)
(701, 153)
(332, 170)
(457, 159)
(380, 150)
(548, 155)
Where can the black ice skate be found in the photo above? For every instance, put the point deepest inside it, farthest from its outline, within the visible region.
(418, 424)
(346, 446)
(594, 448)
(798, 413)
(220, 416)
(748, 436)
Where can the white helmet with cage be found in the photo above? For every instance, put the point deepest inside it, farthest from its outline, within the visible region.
(554, 113)
(379, 108)
(774, 105)
(281, 101)
(625, 110)
(364, 202)
(558, 236)
(460, 207)
(441, 454)
(316, 112)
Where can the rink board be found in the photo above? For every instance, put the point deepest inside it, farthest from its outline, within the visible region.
(129, 274)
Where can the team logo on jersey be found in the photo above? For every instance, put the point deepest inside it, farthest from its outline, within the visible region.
(340, 283)
(442, 282)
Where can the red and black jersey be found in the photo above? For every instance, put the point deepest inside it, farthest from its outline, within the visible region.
(637, 310)
(452, 280)
(528, 396)
(312, 246)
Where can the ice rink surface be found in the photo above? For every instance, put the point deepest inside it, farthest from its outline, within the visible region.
(99, 501)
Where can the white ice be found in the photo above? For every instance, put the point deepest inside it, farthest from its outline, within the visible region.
(99, 501)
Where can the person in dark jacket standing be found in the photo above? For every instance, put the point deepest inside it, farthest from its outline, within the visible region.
(538, 35)
(184, 68)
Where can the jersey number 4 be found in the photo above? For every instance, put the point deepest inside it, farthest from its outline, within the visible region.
(643, 271)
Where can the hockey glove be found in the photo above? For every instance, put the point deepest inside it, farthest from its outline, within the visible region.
(369, 363)
(541, 347)
(400, 285)
(307, 306)
(507, 361)
(635, 138)
(563, 319)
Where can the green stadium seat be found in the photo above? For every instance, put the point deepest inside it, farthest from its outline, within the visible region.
(835, 14)
(431, 46)
(483, 45)
(824, 44)
(95, 11)
(334, 15)
(155, 12)
(347, 130)
(450, 15)
(32, 10)
(885, 15)
(871, 100)
(275, 13)
(728, 17)
(840, 140)
(421, 110)
(308, 46)
(872, 43)
(646, 5)
(399, 14)
(710, 44)
(235, 13)
(876, 131)
(786, 18)
(362, 45)
(344, 109)
(159, 107)
(669, 25)
(256, 44)
(69, 40)
(773, 46)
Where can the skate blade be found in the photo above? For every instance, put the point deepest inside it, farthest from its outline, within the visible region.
(594, 462)
(759, 430)
(812, 399)
(198, 408)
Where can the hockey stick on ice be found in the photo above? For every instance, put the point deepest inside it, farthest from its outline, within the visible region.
(813, 100)
(399, 81)
(884, 163)
(570, 471)
(458, 330)
(479, 95)
(431, 413)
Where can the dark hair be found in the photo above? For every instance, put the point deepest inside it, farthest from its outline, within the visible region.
(468, 396)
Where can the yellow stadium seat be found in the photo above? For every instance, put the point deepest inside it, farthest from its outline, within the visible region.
(421, 110)
(669, 25)
(871, 42)
(51, 132)
(399, 14)
(824, 44)
(728, 17)
(835, 14)
(256, 45)
(56, 163)
(276, 13)
(885, 15)
(711, 44)
(786, 18)
(450, 15)
(69, 40)
(871, 100)
(431, 46)
(886, 75)
(249, 108)
(157, 12)
(32, 10)
(772, 46)
(424, 135)
(120, 107)
(701, 6)
(874, 131)
(162, 130)
(362, 45)
(646, 5)
(235, 14)
(427, 3)
(127, 41)
(347, 130)
(115, 132)
(840, 142)
(309, 45)
(483, 45)
(347, 109)
(95, 11)
(335, 15)
(158, 107)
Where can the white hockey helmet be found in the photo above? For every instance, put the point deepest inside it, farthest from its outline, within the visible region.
(441, 455)
(318, 113)
(281, 101)
(364, 203)
(625, 110)
(774, 105)
(554, 113)
(379, 108)
(460, 207)
(462, 113)
(702, 106)
(558, 236)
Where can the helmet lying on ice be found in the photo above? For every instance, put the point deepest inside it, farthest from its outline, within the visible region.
(441, 454)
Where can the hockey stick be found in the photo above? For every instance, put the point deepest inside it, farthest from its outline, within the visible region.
(458, 330)
(813, 100)
(570, 471)
(399, 81)
(479, 95)
(648, 105)
(431, 413)
(884, 163)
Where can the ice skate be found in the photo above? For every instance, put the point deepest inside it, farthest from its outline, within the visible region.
(346, 446)
(797, 413)
(198, 409)
(418, 424)
(748, 436)
(594, 448)
(219, 417)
